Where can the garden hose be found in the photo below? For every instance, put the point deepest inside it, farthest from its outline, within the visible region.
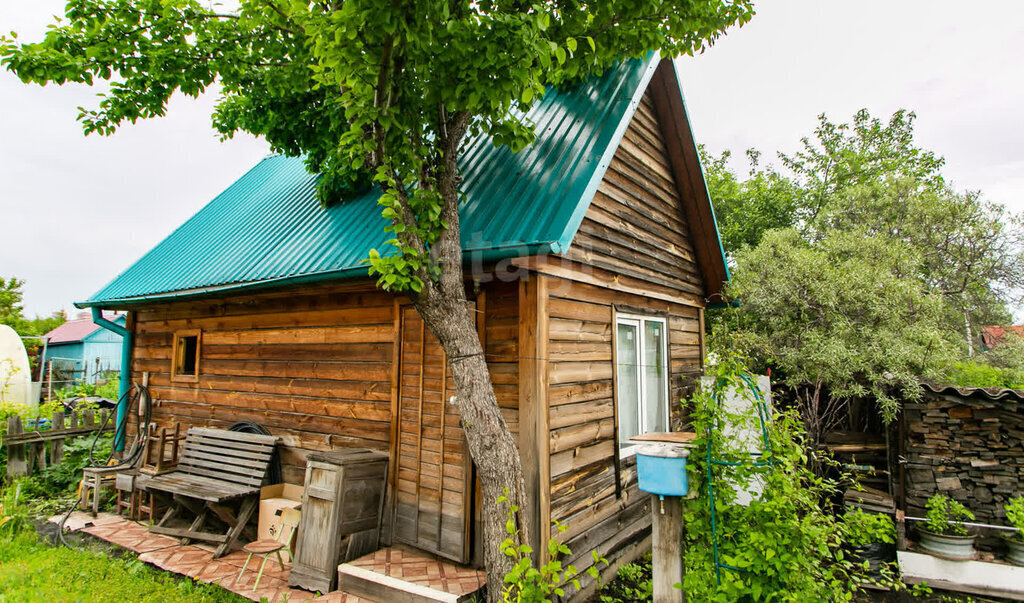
(137, 397)
(762, 414)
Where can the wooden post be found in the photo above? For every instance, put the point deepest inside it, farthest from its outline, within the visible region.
(57, 446)
(15, 454)
(49, 381)
(667, 548)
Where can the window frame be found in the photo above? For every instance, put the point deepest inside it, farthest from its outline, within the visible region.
(177, 350)
(638, 320)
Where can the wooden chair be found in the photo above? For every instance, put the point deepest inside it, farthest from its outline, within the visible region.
(266, 546)
(94, 480)
(161, 452)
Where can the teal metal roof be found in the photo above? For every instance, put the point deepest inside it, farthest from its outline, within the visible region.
(269, 228)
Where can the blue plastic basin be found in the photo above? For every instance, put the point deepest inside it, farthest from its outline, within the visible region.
(662, 476)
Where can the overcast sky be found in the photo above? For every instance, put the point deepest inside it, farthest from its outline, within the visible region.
(76, 211)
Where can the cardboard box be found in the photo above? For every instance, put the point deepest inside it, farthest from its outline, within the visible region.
(273, 500)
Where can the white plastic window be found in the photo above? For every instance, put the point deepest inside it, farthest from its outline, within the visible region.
(641, 376)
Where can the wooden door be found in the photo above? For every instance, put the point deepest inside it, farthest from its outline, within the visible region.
(433, 482)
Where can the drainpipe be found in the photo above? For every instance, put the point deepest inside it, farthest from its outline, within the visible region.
(126, 367)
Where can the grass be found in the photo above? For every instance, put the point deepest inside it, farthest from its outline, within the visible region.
(32, 571)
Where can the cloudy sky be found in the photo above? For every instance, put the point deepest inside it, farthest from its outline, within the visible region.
(76, 211)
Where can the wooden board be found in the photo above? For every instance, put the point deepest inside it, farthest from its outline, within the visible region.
(432, 465)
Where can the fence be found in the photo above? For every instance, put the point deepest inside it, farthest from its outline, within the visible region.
(27, 450)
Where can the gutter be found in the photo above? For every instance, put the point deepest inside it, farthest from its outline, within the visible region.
(125, 382)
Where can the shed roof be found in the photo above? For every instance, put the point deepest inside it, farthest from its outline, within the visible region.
(77, 329)
(268, 228)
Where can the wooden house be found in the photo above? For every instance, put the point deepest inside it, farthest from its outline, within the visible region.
(81, 351)
(592, 254)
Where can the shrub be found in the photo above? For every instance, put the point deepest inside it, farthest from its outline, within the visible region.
(1015, 515)
(632, 583)
(945, 514)
(971, 373)
(529, 584)
(784, 545)
(860, 528)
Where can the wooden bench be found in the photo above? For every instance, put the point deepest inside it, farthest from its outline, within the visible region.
(216, 467)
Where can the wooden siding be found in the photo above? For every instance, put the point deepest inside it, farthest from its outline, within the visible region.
(314, 368)
(433, 490)
(636, 224)
(633, 253)
(584, 490)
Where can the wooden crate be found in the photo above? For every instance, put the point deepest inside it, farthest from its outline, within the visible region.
(342, 506)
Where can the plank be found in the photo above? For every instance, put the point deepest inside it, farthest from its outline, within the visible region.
(233, 437)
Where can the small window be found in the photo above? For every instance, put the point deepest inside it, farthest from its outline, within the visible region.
(185, 365)
(641, 377)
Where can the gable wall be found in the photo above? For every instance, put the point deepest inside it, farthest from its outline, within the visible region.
(634, 234)
(636, 224)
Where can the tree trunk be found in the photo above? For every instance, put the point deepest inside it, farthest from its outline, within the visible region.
(491, 444)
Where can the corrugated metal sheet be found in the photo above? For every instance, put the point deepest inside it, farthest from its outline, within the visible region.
(994, 394)
(268, 227)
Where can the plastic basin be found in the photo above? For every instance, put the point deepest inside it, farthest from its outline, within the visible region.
(661, 469)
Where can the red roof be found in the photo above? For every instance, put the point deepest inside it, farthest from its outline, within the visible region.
(991, 336)
(77, 329)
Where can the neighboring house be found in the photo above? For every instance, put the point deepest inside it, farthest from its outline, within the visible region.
(593, 253)
(991, 336)
(82, 350)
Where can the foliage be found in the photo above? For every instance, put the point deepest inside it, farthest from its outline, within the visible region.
(381, 93)
(108, 389)
(529, 584)
(14, 517)
(857, 236)
(12, 312)
(366, 91)
(944, 515)
(633, 582)
(1015, 515)
(972, 373)
(32, 571)
(64, 476)
(747, 208)
(784, 544)
(860, 528)
(836, 320)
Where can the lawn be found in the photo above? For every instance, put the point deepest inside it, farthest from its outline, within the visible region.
(30, 570)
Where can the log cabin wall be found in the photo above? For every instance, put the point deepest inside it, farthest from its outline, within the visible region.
(592, 492)
(314, 368)
(633, 253)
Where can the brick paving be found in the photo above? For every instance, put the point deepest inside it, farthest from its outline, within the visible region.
(196, 560)
(423, 569)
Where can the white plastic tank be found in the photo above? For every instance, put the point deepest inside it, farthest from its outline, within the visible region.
(15, 374)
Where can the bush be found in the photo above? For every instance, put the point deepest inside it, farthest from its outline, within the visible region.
(528, 584)
(784, 545)
(944, 515)
(632, 583)
(1015, 515)
(971, 373)
(861, 529)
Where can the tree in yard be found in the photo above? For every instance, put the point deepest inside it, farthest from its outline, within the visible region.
(376, 93)
(837, 321)
(859, 267)
(12, 313)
